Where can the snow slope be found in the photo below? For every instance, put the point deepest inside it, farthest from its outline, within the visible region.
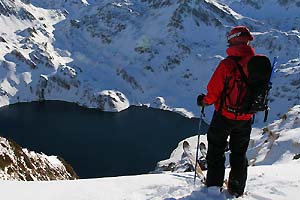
(265, 182)
(276, 143)
(273, 153)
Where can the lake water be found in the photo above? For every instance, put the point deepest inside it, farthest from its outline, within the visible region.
(95, 143)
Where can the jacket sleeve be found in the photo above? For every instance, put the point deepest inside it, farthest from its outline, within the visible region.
(216, 84)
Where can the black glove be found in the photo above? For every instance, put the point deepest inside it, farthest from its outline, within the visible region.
(200, 100)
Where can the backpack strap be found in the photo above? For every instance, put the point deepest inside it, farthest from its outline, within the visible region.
(224, 91)
(223, 94)
(240, 68)
(244, 79)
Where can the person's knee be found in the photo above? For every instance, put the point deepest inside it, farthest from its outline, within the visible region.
(238, 160)
(215, 161)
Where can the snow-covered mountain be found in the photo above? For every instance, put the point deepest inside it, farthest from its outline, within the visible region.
(112, 54)
(18, 163)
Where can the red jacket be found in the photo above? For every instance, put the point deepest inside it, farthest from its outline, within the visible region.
(217, 81)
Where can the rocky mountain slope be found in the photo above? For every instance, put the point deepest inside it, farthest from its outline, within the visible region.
(17, 163)
(112, 54)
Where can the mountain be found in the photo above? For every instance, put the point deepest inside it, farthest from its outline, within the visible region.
(112, 54)
(161, 53)
(17, 163)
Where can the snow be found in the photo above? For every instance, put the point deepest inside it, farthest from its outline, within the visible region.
(53, 160)
(273, 170)
(265, 182)
(123, 48)
(160, 103)
(9, 89)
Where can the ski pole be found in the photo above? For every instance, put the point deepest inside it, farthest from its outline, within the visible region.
(273, 67)
(198, 141)
(270, 85)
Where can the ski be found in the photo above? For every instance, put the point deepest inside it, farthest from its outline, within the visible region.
(191, 158)
(202, 158)
(203, 149)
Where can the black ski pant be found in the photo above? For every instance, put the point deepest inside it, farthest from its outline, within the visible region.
(239, 137)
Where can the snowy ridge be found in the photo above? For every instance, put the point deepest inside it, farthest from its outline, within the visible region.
(139, 51)
(21, 164)
(265, 183)
(272, 150)
(277, 143)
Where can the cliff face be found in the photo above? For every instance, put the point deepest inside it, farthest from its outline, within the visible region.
(17, 163)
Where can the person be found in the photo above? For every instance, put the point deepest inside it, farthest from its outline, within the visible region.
(225, 122)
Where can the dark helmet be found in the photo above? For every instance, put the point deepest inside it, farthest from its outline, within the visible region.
(239, 34)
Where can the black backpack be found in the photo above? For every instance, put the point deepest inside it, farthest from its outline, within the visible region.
(256, 87)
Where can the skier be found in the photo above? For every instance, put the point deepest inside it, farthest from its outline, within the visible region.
(225, 122)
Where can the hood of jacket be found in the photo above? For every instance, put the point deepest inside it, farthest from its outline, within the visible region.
(242, 50)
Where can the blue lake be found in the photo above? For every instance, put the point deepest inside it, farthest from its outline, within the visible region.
(95, 143)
